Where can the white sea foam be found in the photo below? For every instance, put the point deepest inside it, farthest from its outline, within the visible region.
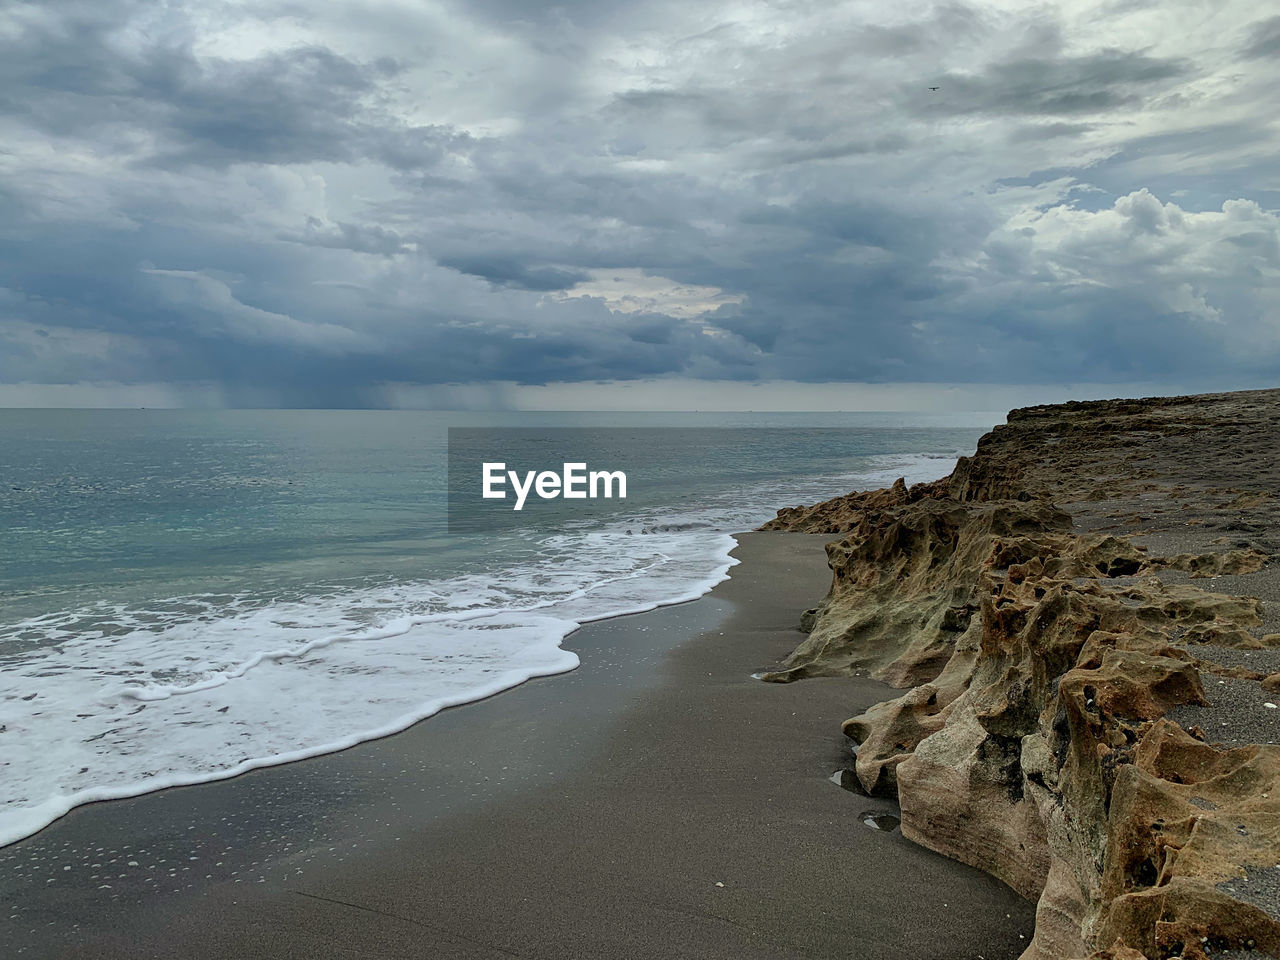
(113, 702)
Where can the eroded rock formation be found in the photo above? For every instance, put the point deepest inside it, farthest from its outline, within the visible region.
(1046, 612)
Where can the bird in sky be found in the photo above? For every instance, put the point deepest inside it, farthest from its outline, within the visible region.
(935, 89)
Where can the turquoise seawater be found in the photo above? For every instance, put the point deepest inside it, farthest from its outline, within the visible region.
(188, 594)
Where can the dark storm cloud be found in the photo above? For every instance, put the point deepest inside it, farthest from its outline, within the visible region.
(306, 103)
(1264, 38)
(509, 272)
(1068, 86)
(303, 104)
(373, 238)
(68, 77)
(304, 204)
(893, 143)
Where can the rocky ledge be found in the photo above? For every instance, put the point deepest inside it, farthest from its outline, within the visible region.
(1083, 617)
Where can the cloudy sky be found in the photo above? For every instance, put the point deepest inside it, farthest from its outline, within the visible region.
(406, 201)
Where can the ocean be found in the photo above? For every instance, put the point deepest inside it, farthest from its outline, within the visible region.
(187, 595)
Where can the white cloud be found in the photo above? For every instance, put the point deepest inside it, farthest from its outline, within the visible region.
(628, 290)
(1190, 263)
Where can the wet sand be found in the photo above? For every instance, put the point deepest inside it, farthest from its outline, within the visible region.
(657, 802)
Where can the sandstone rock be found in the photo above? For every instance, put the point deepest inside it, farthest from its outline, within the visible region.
(961, 795)
(1059, 915)
(1038, 665)
(1216, 564)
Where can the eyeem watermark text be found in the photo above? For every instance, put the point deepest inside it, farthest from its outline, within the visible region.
(574, 482)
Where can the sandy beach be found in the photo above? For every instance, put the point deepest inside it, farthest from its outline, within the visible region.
(657, 801)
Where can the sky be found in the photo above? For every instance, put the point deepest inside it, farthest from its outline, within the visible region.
(612, 204)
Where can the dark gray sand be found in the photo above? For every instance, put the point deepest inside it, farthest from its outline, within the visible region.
(1258, 886)
(657, 802)
(1237, 713)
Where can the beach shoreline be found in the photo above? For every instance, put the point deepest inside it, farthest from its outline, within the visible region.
(592, 814)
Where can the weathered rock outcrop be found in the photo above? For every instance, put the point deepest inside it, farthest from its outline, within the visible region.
(1045, 652)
